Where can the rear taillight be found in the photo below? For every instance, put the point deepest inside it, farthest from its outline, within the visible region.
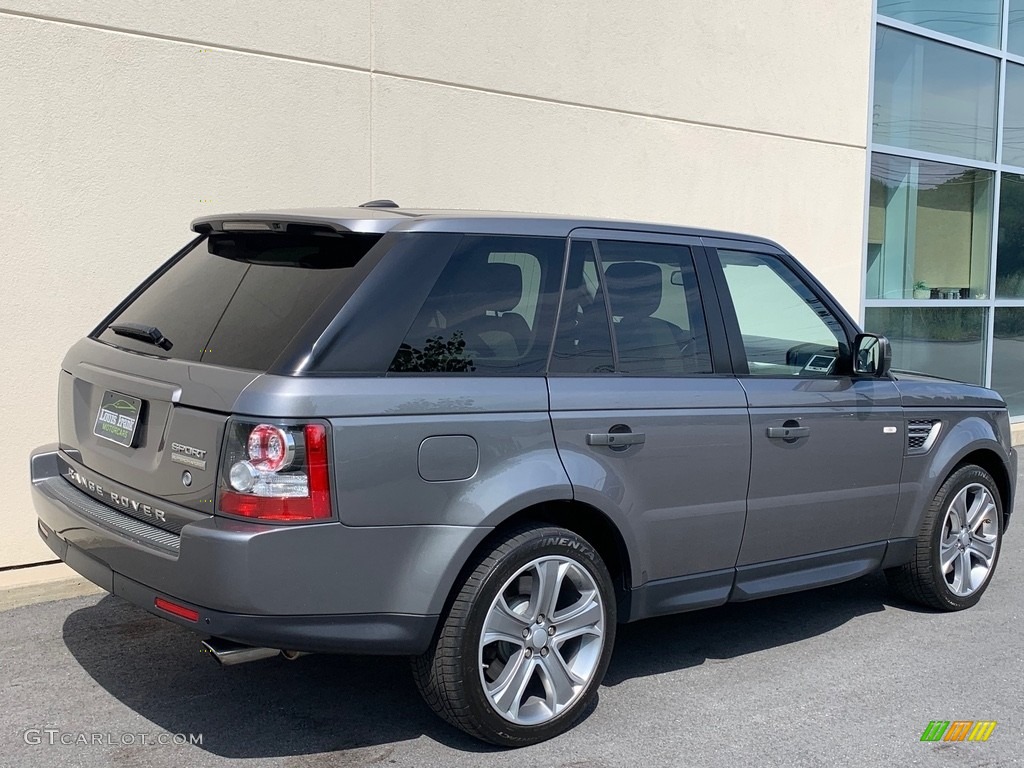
(276, 472)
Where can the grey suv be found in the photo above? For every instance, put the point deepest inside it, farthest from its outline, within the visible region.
(483, 440)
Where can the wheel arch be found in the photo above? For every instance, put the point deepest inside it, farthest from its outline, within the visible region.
(576, 516)
(972, 440)
(990, 461)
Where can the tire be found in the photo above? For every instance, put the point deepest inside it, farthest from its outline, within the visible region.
(483, 676)
(953, 564)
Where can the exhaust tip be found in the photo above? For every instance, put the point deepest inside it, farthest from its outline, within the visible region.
(229, 653)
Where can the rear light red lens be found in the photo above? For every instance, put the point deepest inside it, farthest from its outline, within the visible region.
(319, 478)
(270, 448)
(315, 505)
(177, 610)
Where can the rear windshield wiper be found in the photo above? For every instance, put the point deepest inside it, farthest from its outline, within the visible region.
(147, 333)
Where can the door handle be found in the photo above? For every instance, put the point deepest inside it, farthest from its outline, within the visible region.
(615, 439)
(788, 433)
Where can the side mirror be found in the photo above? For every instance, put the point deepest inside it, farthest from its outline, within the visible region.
(872, 355)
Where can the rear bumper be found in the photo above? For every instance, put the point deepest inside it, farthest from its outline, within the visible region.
(324, 587)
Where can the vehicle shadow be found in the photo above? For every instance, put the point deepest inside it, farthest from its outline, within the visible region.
(690, 639)
(322, 704)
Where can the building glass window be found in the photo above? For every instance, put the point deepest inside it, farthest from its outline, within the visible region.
(1015, 31)
(930, 223)
(929, 230)
(934, 97)
(944, 341)
(974, 20)
(1010, 255)
(1008, 357)
(1013, 116)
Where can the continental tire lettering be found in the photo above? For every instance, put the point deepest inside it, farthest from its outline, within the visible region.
(571, 543)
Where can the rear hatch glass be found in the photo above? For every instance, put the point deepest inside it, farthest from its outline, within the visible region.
(237, 299)
(142, 433)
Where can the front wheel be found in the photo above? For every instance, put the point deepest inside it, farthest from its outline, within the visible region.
(958, 545)
(526, 642)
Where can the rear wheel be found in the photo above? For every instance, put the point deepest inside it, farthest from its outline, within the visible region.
(958, 546)
(526, 641)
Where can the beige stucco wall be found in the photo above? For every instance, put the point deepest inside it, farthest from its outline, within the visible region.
(121, 121)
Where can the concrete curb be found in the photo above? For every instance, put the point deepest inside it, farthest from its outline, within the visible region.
(41, 584)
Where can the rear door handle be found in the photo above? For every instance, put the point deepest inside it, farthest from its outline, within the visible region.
(788, 433)
(616, 439)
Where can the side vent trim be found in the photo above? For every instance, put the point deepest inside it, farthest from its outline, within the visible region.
(921, 435)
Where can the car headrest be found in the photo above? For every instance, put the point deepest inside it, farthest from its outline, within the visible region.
(504, 286)
(634, 288)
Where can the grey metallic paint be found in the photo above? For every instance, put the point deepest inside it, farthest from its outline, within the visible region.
(826, 508)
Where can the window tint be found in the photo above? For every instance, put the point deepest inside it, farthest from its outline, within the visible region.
(584, 343)
(237, 299)
(490, 311)
(655, 306)
(786, 330)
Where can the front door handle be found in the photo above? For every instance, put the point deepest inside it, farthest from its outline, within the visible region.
(615, 439)
(788, 433)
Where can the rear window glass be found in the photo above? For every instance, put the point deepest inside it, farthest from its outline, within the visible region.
(237, 299)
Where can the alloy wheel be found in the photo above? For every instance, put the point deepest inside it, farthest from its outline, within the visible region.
(541, 640)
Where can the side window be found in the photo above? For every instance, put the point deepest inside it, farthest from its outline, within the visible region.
(490, 311)
(656, 312)
(584, 342)
(786, 330)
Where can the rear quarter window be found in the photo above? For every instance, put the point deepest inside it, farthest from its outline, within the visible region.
(490, 312)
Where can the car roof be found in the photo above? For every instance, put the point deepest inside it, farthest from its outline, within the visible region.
(379, 220)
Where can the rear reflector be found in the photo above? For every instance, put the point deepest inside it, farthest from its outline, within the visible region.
(178, 610)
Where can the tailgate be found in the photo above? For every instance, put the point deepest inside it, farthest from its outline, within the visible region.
(151, 425)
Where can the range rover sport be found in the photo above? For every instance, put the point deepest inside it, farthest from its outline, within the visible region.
(483, 440)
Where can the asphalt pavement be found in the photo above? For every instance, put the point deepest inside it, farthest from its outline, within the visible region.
(844, 676)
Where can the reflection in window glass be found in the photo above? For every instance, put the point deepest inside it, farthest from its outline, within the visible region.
(1010, 253)
(929, 230)
(584, 340)
(974, 20)
(1015, 33)
(1013, 116)
(489, 311)
(942, 341)
(1008, 357)
(934, 97)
